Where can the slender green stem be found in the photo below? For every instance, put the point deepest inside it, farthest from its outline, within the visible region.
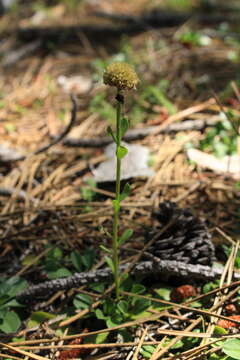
(117, 208)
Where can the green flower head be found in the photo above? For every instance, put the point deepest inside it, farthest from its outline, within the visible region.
(121, 75)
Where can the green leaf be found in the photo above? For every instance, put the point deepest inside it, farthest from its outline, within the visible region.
(11, 303)
(76, 260)
(3, 300)
(88, 258)
(96, 339)
(57, 253)
(11, 322)
(140, 305)
(110, 263)
(109, 306)
(178, 345)
(122, 306)
(100, 338)
(12, 286)
(38, 317)
(124, 126)
(164, 293)
(2, 314)
(110, 133)
(125, 192)
(115, 320)
(28, 259)
(100, 315)
(219, 330)
(125, 236)
(99, 287)
(105, 249)
(231, 347)
(147, 351)
(62, 272)
(116, 205)
(82, 301)
(121, 152)
(138, 289)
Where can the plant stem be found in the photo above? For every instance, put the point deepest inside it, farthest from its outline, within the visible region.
(119, 99)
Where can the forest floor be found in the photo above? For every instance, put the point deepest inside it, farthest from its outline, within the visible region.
(55, 214)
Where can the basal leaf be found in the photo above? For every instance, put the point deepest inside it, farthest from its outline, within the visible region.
(76, 260)
(231, 347)
(11, 322)
(82, 301)
(59, 273)
(122, 306)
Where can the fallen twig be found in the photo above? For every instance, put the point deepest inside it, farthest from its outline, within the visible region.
(162, 267)
(137, 134)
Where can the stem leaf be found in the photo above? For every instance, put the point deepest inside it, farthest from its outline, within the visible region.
(110, 263)
(116, 205)
(110, 133)
(125, 236)
(125, 192)
(105, 249)
(124, 126)
(121, 152)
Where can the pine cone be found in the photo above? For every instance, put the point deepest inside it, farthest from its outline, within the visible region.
(186, 240)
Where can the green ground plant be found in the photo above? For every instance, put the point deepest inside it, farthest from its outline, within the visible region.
(221, 140)
(9, 317)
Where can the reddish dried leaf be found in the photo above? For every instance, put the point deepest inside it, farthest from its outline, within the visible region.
(228, 324)
(231, 309)
(233, 102)
(183, 292)
(73, 353)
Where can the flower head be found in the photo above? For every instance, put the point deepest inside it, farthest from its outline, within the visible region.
(121, 75)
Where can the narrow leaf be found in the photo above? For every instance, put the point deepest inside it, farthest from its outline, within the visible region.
(110, 263)
(124, 126)
(105, 249)
(110, 133)
(121, 152)
(126, 192)
(125, 236)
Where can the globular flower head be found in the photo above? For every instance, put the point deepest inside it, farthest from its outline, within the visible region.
(121, 75)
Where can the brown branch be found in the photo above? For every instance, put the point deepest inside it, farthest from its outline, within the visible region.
(165, 268)
(137, 134)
